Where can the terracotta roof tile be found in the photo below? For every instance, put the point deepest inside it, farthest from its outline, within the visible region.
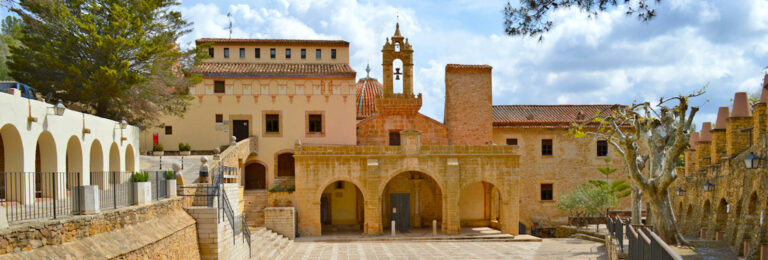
(275, 42)
(366, 92)
(543, 116)
(261, 70)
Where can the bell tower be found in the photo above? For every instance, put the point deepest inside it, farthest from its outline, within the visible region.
(397, 47)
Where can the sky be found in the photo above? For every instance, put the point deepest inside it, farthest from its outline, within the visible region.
(610, 59)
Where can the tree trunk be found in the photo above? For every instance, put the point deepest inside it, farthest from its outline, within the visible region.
(637, 204)
(663, 220)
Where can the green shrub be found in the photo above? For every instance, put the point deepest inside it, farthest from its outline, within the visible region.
(140, 177)
(157, 148)
(184, 147)
(170, 175)
(278, 188)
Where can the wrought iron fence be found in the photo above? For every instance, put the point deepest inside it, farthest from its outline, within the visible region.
(159, 184)
(643, 242)
(116, 189)
(246, 233)
(33, 195)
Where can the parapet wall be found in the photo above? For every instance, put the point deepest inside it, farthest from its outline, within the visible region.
(716, 192)
(158, 230)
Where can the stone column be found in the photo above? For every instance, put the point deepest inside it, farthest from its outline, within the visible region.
(510, 205)
(372, 204)
(417, 202)
(451, 181)
(737, 135)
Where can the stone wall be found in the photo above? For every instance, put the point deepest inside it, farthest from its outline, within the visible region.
(733, 210)
(281, 220)
(158, 230)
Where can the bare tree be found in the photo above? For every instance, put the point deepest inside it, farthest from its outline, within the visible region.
(650, 139)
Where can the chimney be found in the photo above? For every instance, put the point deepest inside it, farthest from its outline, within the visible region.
(758, 119)
(718, 135)
(738, 135)
(703, 146)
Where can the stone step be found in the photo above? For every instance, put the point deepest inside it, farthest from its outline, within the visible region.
(588, 237)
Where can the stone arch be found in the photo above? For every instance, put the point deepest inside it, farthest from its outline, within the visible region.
(11, 149)
(255, 175)
(114, 158)
(130, 162)
(74, 162)
(393, 173)
(721, 216)
(424, 196)
(479, 205)
(689, 218)
(341, 206)
(330, 181)
(285, 164)
(705, 214)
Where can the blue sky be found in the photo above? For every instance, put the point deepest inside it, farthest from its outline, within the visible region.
(609, 59)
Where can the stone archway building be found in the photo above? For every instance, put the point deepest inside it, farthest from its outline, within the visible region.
(372, 167)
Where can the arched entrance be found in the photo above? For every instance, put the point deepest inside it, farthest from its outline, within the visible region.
(74, 162)
(129, 159)
(721, 218)
(413, 200)
(97, 176)
(114, 158)
(45, 165)
(341, 209)
(11, 160)
(480, 207)
(705, 215)
(255, 176)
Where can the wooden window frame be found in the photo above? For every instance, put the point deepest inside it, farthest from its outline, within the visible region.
(303, 54)
(279, 122)
(211, 52)
(322, 124)
(257, 53)
(390, 140)
(598, 145)
(168, 130)
(547, 151)
(318, 54)
(226, 53)
(242, 53)
(512, 141)
(287, 53)
(272, 53)
(219, 118)
(333, 54)
(223, 84)
(552, 191)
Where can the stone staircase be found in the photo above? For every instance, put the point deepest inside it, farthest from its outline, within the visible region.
(255, 202)
(269, 245)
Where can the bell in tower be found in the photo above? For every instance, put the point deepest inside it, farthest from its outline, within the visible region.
(397, 48)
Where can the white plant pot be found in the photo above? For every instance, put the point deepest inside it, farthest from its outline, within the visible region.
(158, 153)
(143, 193)
(185, 153)
(171, 188)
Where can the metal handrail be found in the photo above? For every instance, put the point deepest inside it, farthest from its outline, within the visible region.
(228, 212)
(246, 234)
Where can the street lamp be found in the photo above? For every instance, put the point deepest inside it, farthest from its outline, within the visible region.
(680, 192)
(752, 161)
(123, 124)
(708, 187)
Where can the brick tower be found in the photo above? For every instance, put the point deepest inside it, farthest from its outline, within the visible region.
(468, 104)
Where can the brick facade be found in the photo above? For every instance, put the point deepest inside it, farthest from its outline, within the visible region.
(468, 104)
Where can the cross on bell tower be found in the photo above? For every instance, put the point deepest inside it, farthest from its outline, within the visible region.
(397, 47)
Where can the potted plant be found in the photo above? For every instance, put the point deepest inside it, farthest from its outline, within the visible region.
(143, 188)
(288, 203)
(170, 177)
(157, 150)
(274, 203)
(185, 149)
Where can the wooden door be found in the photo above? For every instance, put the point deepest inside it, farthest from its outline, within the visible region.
(255, 176)
(400, 211)
(240, 129)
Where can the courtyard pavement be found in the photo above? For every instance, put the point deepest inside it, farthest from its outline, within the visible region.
(554, 248)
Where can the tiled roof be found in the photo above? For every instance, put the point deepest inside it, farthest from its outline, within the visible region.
(544, 116)
(275, 42)
(366, 92)
(261, 70)
(468, 67)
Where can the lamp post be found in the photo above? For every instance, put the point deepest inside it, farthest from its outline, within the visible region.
(680, 192)
(708, 187)
(752, 161)
(59, 108)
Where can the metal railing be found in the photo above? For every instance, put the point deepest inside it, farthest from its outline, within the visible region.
(33, 195)
(115, 189)
(226, 210)
(643, 242)
(246, 234)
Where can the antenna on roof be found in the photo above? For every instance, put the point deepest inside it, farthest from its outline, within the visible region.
(229, 17)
